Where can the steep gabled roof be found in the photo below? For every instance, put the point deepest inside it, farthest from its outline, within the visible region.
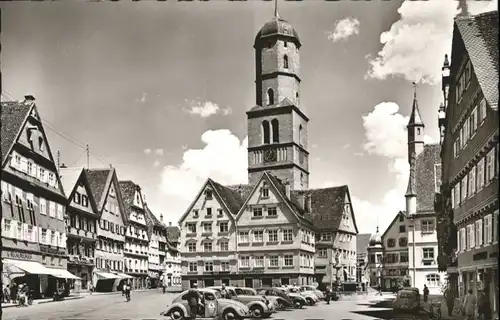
(280, 188)
(128, 189)
(396, 218)
(425, 177)
(362, 242)
(13, 116)
(480, 36)
(232, 197)
(99, 180)
(70, 178)
(151, 221)
(327, 206)
(173, 234)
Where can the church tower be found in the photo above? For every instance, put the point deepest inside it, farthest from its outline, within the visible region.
(415, 129)
(277, 127)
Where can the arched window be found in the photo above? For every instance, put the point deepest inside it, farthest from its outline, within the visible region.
(297, 96)
(270, 96)
(418, 131)
(285, 61)
(266, 134)
(276, 130)
(300, 134)
(433, 280)
(301, 179)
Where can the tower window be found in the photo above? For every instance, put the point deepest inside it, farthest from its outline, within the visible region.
(285, 61)
(418, 130)
(270, 96)
(297, 96)
(265, 132)
(276, 131)
(300, 134)
(270, 44)
(286, 44)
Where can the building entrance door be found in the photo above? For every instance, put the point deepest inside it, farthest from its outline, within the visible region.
(209, 283)
(267, 282)
(248, 283)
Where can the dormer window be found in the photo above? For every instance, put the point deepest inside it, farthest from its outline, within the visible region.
(196, 213)
(208, 194)
(77, 197)
(265, 191)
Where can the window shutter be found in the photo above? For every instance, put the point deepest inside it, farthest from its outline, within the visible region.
(495, 226)
(13, 160)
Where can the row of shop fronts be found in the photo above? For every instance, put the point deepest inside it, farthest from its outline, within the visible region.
(242, 279)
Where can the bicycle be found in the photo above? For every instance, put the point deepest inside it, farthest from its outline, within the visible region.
(435, 310)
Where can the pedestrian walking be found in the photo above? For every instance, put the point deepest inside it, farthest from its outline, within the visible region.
(379, 289)
(483, 306)
(470, 302)
(449, 297)
(193, 297)
(328, 294)
(426, 293)
(13, 292)
(6, 294)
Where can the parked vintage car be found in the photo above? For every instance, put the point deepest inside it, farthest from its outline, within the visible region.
(279, 302)
(293, 295)
(214, 307)
(259, 306)
(310, 297)
(407, 299)
(287, 301)
(317, 292)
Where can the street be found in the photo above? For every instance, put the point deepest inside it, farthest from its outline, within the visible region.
(149, 304)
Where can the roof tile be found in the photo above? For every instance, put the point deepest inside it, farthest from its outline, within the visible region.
(97, 179)
(427, 174)
(480, 37)
(13, 115)
(127, 189)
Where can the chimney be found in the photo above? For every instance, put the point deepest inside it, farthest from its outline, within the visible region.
(240, 190)
(29, 99)
(161, 218)
(170, 223)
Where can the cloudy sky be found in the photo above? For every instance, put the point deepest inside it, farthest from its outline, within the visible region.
(160, 90)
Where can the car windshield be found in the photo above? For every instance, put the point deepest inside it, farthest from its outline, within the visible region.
(217, 294)
(293, 290)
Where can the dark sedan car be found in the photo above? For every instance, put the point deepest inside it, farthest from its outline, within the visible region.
(291, 301)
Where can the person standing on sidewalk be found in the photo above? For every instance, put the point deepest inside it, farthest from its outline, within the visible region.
(470, 302)
(379, 289)
(483, 306)
(426, 293)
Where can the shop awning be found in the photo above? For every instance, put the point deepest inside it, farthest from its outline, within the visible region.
(106, 275)
(26, 266)
(124, 276)
(63, 274)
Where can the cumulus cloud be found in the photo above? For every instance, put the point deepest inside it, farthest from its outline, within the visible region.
(385, 133)
(159, 152)
(343, 29)
(147, 151)
(415, 45)
(206, 108)
(223, 158)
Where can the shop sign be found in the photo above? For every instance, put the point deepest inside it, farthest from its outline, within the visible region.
(480, 256)
(50, 250)
(18, 255)
(252, 272)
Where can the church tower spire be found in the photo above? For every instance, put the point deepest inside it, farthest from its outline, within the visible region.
(277, 127)
(415, 128)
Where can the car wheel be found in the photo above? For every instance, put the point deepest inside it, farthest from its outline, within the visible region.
(297, 305)
(176, 314)
(230, 314)
(257, 311)
(310, 301)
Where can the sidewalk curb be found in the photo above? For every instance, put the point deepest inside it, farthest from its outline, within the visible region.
(41, 302)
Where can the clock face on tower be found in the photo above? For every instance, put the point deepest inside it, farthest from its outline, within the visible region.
(270, 155)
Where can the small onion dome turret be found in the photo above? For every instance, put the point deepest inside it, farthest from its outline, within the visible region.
(277, 27)
(375, 240)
